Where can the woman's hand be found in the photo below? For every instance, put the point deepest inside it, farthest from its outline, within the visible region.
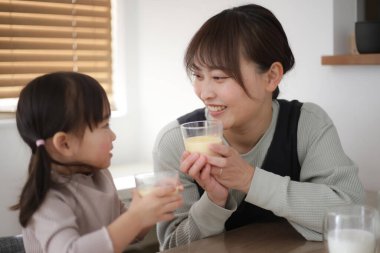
(196, 166)
(229, 169)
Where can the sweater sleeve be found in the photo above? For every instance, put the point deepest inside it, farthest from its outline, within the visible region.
(328, 177)
(198, 217)
(55, 227)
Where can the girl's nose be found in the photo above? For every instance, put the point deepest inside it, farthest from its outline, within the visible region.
(113, 135)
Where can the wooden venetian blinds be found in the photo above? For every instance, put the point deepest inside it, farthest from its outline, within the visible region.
(38, 37)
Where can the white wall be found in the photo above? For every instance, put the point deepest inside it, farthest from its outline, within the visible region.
(152, 35)
(348, 93)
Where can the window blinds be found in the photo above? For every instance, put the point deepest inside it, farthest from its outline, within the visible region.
(38, 37)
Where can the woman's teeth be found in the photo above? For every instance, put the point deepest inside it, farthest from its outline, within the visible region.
(216, 108)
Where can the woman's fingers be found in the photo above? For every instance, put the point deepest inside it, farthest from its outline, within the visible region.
(216, 171)
(197, 166)
(188, 161)
(185, 154)
(205, 173)
(220, 149)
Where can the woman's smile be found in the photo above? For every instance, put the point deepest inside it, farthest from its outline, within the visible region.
(216, 110)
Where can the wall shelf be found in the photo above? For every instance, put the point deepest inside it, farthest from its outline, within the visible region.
(351, 59)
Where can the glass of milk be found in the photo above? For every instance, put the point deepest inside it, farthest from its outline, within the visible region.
(146, 183)
(198, 135)
(351, 229)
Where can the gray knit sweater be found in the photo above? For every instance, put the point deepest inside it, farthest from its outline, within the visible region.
(74, 216)
(328, 177)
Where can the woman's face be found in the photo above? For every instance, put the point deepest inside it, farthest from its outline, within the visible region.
(227, 101)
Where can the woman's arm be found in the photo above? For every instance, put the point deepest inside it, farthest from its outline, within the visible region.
(198, 217)
(328, 177)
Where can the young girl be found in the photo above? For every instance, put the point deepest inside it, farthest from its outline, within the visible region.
(69, 202)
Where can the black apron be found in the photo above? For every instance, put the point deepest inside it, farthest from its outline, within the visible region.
(281, 159)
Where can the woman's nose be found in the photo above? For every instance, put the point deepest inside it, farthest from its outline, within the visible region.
(207, 90)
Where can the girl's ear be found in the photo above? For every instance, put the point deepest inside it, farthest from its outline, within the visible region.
(274, 76)
(62, 143)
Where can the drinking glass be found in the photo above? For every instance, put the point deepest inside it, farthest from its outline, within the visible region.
(198, 135)
(147, 182)
(350, 229)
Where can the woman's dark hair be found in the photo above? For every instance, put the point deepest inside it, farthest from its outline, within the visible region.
(61, 101)
(250, 31)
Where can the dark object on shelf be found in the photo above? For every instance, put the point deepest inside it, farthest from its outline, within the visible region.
(367, 36)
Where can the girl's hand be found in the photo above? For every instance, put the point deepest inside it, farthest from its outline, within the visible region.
(229, 169)
(142, 214)
(157, 206)
(196, 166)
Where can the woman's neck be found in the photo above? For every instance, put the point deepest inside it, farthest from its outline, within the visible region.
(245, 137)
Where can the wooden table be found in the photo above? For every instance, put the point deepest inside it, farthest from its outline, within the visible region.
(276, 237)
(260, 237)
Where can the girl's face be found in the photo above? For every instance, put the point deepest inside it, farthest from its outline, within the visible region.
(227, 101)
(95, 147)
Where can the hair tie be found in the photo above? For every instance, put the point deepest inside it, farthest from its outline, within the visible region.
(40, 142)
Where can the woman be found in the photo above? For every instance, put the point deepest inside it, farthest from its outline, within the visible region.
(280, 159)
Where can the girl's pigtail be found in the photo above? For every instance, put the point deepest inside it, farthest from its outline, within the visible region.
(37, 185)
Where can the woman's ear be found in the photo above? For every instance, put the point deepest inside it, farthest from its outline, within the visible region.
(61, 142)
(274, 76)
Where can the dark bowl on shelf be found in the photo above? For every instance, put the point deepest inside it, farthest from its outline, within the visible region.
(367, 37)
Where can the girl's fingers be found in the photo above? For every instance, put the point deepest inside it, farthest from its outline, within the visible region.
(135, 194)
(165, 190)
(171, 206)
(166, 217)
(180, 188)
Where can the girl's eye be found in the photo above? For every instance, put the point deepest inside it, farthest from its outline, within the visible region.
(105, 124)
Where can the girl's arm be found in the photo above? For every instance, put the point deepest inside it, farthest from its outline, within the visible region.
(142, 214)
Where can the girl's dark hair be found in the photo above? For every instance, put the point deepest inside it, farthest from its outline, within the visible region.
(250, 31)
(61, 101)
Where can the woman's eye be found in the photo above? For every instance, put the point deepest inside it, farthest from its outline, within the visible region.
(219, 78)
(197, 76)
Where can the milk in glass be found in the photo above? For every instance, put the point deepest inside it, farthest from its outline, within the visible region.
(351, 241)
(200, 144)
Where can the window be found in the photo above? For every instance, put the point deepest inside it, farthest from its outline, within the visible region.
(38, 37)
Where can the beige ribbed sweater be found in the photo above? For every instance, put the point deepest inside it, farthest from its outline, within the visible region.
(328, 177)
(74, 215)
